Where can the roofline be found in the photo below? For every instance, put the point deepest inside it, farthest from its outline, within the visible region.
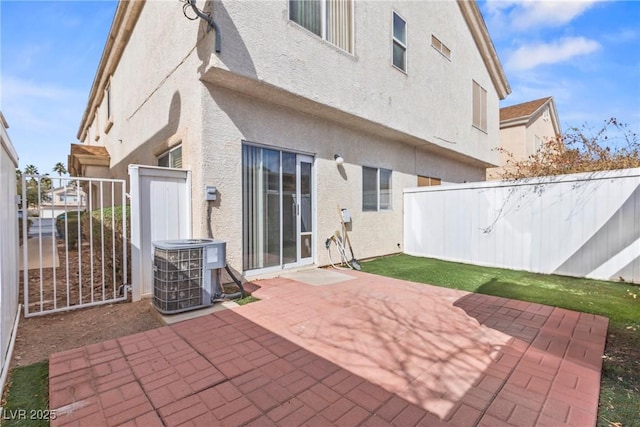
(124, 20)
(525, 120)
(476, 24)
(128, 11)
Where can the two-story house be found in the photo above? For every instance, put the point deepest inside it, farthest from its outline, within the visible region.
(307, 105)
(524, 129)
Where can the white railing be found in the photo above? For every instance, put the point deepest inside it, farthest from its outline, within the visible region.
(585, 225)
(73, 257)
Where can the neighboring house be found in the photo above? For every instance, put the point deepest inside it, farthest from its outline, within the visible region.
(405, 92)
(524, 128)
(60, 200)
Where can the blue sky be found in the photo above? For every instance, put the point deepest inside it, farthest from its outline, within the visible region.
(586, 54)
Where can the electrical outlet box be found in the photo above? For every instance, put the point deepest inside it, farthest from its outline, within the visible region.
(346, 215)
(210, 193)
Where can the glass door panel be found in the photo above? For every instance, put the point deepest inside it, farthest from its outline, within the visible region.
(277, 208)
(306, 208)
(261, 207)
(289, 209)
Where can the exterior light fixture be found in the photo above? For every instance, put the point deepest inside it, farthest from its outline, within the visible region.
(339, 159)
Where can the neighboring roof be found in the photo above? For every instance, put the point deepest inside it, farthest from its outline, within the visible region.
(83, 155)
(526, 109)
(527, 112)
(127, 14)
(89, 150)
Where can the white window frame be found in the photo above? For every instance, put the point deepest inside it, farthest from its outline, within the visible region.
(378, 206)
(324, 35)
(169, 154)
(479, 100)
(400, 43)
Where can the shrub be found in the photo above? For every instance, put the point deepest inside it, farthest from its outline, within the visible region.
(109, 221)
(70, 231)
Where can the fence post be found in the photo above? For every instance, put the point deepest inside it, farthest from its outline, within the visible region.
(136, 270)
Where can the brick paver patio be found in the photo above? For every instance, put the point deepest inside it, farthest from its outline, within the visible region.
(366, 351)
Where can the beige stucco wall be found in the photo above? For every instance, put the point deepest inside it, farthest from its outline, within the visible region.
(520, 141)
(165, 92)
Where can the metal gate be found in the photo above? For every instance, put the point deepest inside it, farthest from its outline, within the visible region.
(73, 243)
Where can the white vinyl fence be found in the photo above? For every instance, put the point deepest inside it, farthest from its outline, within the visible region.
(9, 308)
(584, 225)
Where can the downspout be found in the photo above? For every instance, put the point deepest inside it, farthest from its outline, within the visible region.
(210, 21)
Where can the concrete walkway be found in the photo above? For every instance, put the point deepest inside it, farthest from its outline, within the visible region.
(357, 350)
(43, 255)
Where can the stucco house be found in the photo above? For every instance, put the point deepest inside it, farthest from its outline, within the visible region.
(524, 128)
(262, 100)
(62, 199)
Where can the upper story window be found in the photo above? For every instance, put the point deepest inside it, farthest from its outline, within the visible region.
(96, 123)
(376, 189)
(440, 47)
(399, 42)
(479, 107)
(330, 19)
(172, 158)
(108, 107)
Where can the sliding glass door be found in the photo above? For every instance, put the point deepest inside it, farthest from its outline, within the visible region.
(277, 208)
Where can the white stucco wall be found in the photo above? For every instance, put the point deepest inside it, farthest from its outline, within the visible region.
(155, 92)
(432, 101)
(166, 91)
(230, 118)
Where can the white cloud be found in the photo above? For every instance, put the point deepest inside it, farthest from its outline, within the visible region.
(530, 56)
(527, 14)
(549, 13)
(17, 88)
(624, 35)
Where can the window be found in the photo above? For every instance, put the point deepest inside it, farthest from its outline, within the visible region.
(330, 19)
(376, 189)
(399, 42)
(172, 158)
(97, 124)
(108, 108)
(440, 47)
(479, 107)
(427, 181)
(537, 145)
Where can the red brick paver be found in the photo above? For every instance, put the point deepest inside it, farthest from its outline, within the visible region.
(368, 351)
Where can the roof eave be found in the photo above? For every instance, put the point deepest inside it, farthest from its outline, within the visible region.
(124, 20)
(475, 21)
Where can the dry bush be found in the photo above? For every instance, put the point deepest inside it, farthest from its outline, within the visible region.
(613, 146)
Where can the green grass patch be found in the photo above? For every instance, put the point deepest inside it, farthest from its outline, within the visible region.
(620, 302)
(247, 300)
(27, 402)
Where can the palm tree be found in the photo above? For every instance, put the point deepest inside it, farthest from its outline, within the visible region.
(31, 170)
(60, 170)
